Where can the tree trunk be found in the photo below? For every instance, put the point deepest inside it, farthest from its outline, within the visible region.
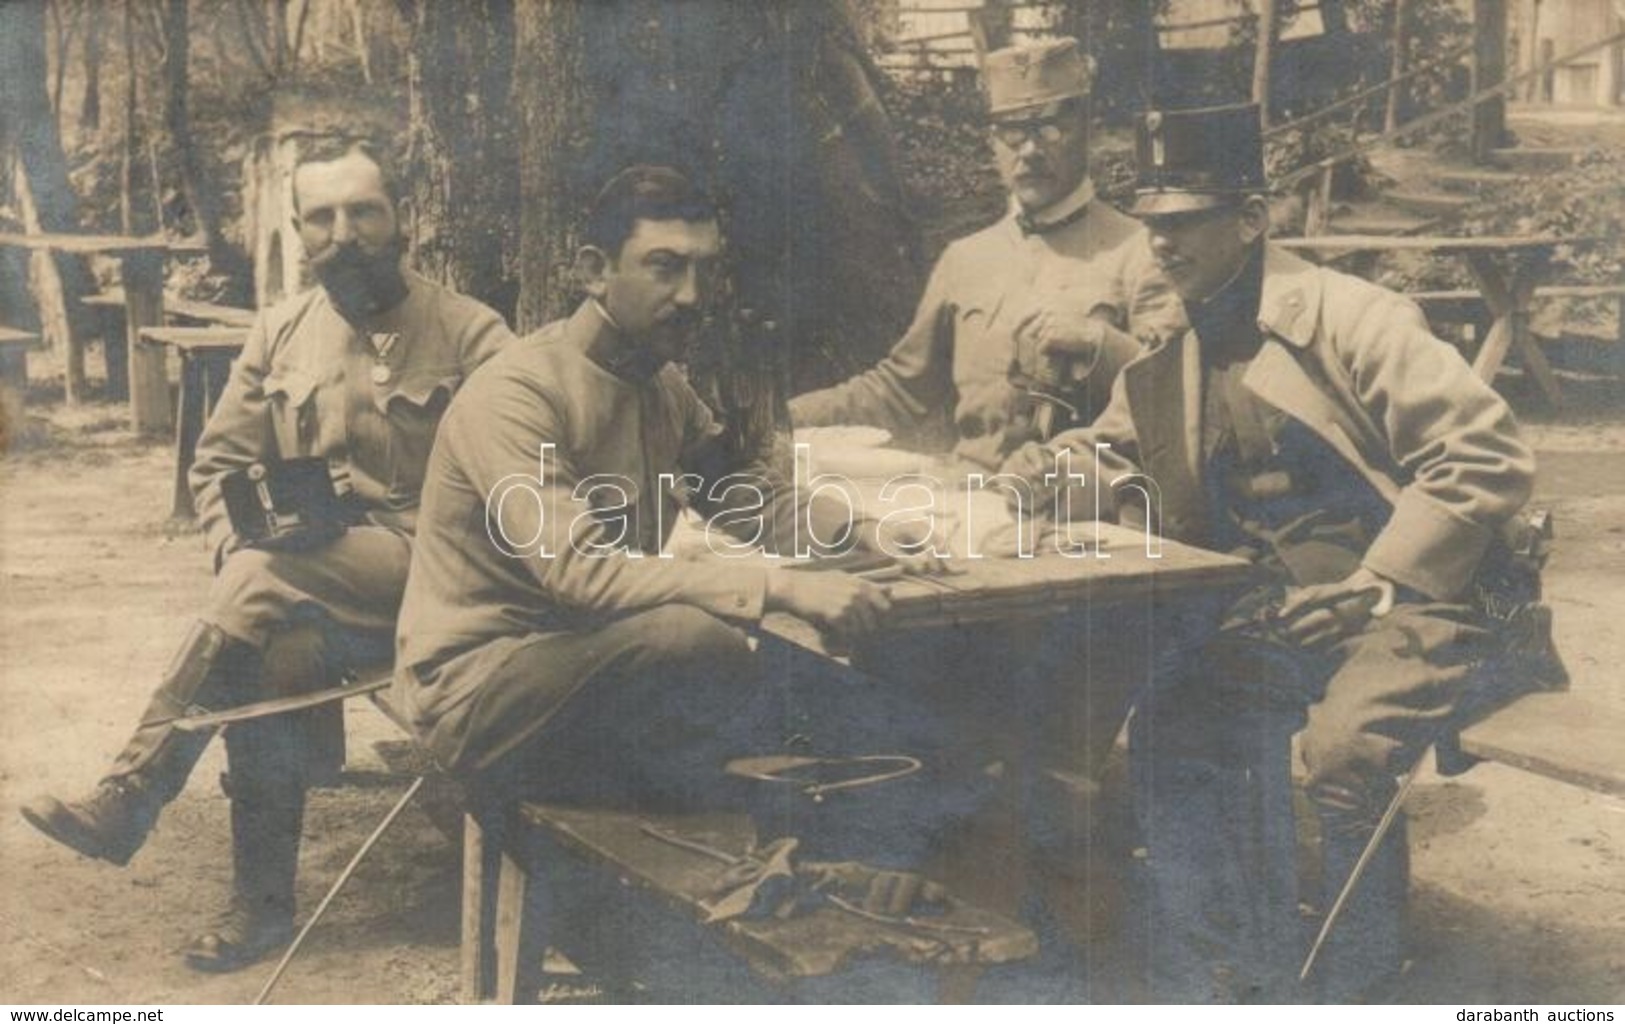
(143, 273)
(771, 107)
(28, 128)
(463, 164)
(552, 105)
(197, 183)
(1399, 59)
(1489, 68)
(90, 108)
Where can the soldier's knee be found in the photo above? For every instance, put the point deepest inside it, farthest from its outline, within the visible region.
(243, 569)
(681, 633)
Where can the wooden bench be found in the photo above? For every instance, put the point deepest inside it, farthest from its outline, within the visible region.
(110, 304)
(1562, 736)
(504, 911)
(507, 914)
(1467, 305)
(506, 918)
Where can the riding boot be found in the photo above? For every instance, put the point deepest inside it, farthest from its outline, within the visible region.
(210, 671)
(1365, 949)
(267, 791)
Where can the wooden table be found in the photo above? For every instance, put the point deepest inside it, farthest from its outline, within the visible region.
(142, 262)
(206, 354)
(1506, 268)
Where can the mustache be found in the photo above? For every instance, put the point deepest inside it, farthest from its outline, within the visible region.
(686, 320)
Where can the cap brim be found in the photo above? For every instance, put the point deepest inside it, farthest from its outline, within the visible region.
(1049, 106)
(1157, 203)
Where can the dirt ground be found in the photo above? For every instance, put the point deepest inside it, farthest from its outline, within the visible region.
(1520, 880)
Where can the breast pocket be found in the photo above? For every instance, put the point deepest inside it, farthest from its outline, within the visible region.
(983, 353)
(413, 411)
(290, 392)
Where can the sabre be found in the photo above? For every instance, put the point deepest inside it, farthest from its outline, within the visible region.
(1389, 815)
(277, 706)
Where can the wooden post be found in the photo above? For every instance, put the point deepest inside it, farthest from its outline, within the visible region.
(1317, 219)
(1489, 69)
(150, 410)
(1261, 59)
(1396, 64)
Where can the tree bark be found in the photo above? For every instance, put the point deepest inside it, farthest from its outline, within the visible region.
(552, 103)
(1489, 68)
(197, 183)
(463, 164)
(143, 273)
(29, 128)
(90, 108)
(1398, 62)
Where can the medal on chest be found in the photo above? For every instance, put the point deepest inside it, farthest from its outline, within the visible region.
(382, 345)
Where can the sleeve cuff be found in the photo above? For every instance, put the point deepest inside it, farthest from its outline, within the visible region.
(1427, 548)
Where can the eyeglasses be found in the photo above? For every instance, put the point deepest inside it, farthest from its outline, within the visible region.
(1014, 133)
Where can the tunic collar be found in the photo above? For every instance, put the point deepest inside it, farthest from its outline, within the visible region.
(1058, 214)
(1226, 322)
(601, 340)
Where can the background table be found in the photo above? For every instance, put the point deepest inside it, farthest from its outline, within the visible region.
(1507, 269)
(142, 270)
(206, 354)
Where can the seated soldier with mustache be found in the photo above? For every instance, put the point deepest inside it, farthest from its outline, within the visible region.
(357, 372)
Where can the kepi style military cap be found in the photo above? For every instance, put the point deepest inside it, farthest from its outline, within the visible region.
(1021, 78)
(1197, 159)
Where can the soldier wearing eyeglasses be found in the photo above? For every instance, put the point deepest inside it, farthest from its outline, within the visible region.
(1024, 324)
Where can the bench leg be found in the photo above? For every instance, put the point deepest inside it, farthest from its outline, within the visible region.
(518, 927)
(188, 428)
(115, 352)
(481, 863)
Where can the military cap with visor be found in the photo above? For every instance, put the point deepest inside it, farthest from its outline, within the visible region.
(1034, 80)
(1197, 159)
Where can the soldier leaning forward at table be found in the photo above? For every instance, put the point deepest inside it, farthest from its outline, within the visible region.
(357, 372)
(548, 650)
(1309, 422)
(1045, 302)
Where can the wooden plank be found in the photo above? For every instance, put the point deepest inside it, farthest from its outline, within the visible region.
(209, 312)
(1559, 291)
(1427, 243)
(195, 339)
(87, 245)
(12, 336)
(1562, 736)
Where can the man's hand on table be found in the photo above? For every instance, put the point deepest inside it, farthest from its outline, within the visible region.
(847, 606)
(908, 542)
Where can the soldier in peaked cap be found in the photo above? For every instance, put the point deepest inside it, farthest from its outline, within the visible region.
(1309, 422)
(1026, 322)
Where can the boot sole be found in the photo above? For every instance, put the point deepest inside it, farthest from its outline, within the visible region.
(59, 824)
(224, 957)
